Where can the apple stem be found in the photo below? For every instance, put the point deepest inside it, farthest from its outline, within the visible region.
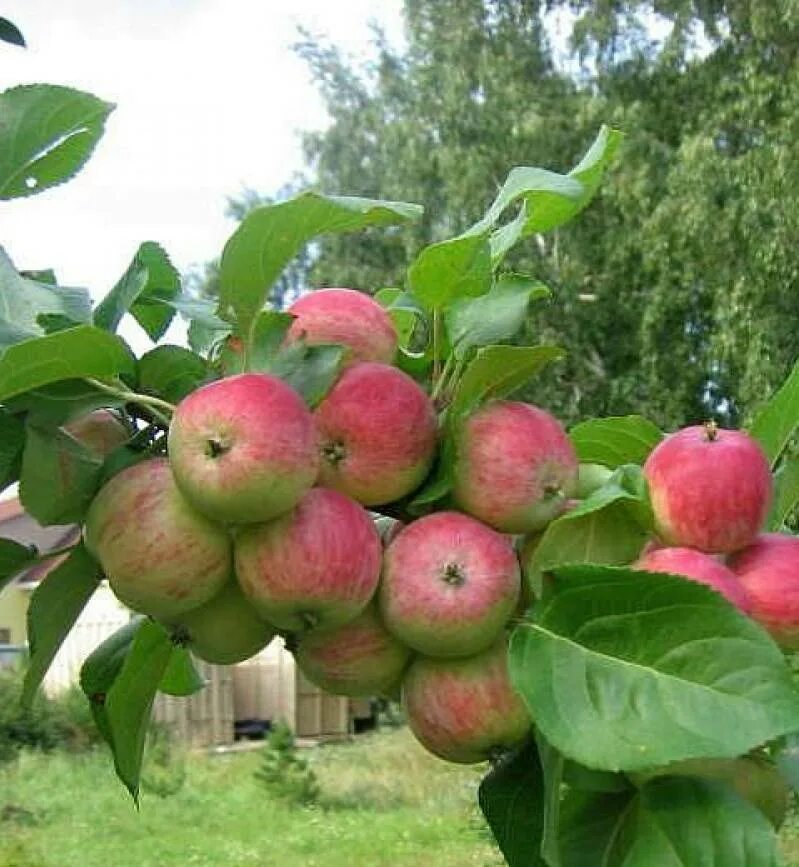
(48, 555)
(436, 347)
(155, 405)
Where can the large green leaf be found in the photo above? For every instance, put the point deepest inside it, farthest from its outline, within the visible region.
(171, 372)
(271, 235)
(150, 281)
(70, 354)
(589, 821)
(497, 371)
(12, 441)
(775, 422)
(129, 700)
(24, 301)
(682, 822)
(47, 133)
(497, 316)
(14, 558)
(456, 268)
(786, 491)
(615, 440)
(59, 477)
(656, 667)
(512, 800)
(52, 405)
(54, 607)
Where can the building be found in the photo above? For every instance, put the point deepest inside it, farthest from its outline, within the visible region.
(246, 697)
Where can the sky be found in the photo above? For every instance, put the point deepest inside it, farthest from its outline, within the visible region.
(210, 99)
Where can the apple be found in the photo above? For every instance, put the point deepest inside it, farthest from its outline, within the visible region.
(449, 585)
(378, 430)
(699, 567)
(515, 467)
(160, 555)
(769, 573)
(347, 317)
(710, 488)
(754, 778)
(465, 710)
(357, 659)
(101, 431)
(225, 630)
(317, 566)
(243, 449)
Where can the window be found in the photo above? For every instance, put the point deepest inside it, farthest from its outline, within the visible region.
(5, 635)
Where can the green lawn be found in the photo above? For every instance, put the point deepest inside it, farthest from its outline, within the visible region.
(386, 804)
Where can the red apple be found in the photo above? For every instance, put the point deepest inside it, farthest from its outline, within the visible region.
(160, 555)
(465, 710)
(378, 431)
(346, 317)
(243, 449)
(697, 566)
(710, 488)
(225, 630)
(100, 431)
(449, 585)
(769, 573)
(317, 566)
(357, 659)
(515, 467)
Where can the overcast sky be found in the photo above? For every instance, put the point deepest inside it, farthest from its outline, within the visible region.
(209, 99)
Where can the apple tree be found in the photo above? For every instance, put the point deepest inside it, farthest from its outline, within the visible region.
(601, 614)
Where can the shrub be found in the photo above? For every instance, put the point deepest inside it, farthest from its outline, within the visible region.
(283, 773)
(164, 769)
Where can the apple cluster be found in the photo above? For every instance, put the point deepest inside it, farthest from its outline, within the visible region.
(265, 519)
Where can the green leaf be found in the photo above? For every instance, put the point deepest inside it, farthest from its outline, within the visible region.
(271, 235)
(494, 317)
(171, 372)
(14, 558)
(54, 607)
(589, 821)
(496, 372)
(616, 440)
(775, 423)
(269, 332)
(150, 281)
(129, 701)
(70, 354)
(309, 370)
(54, 404)
(786, 492)
(406, 314)
(552, 766)
(456, 268)
(47, 133)
(656, 667)
(512, 800)
(12, 441)
(181, 677)
(59, 477)
(10, 33)
(24, 301)
(680, 821)
(787, 760)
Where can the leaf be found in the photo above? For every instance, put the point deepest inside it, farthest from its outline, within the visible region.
(497, 316)
(129, 701)
(10, 33)
(181, 677)
(14, 558)
(70, 354)
(589, 822)
(452, 269)
(406, 314)
(171, 372)
(616, 440)
(786, 492)
(656, 667)
(497, 371)
(47, 132)
(309, 370)
(23, 302)
(54, 607)
(774, 423)
(12, 441)
(269, 332)
(271, 235)
(511, 797)
(679, 821)
(150, 280)
(552, 766)
(59, 477)
(54, 404)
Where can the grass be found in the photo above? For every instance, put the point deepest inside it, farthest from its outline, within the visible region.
(384, 803)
